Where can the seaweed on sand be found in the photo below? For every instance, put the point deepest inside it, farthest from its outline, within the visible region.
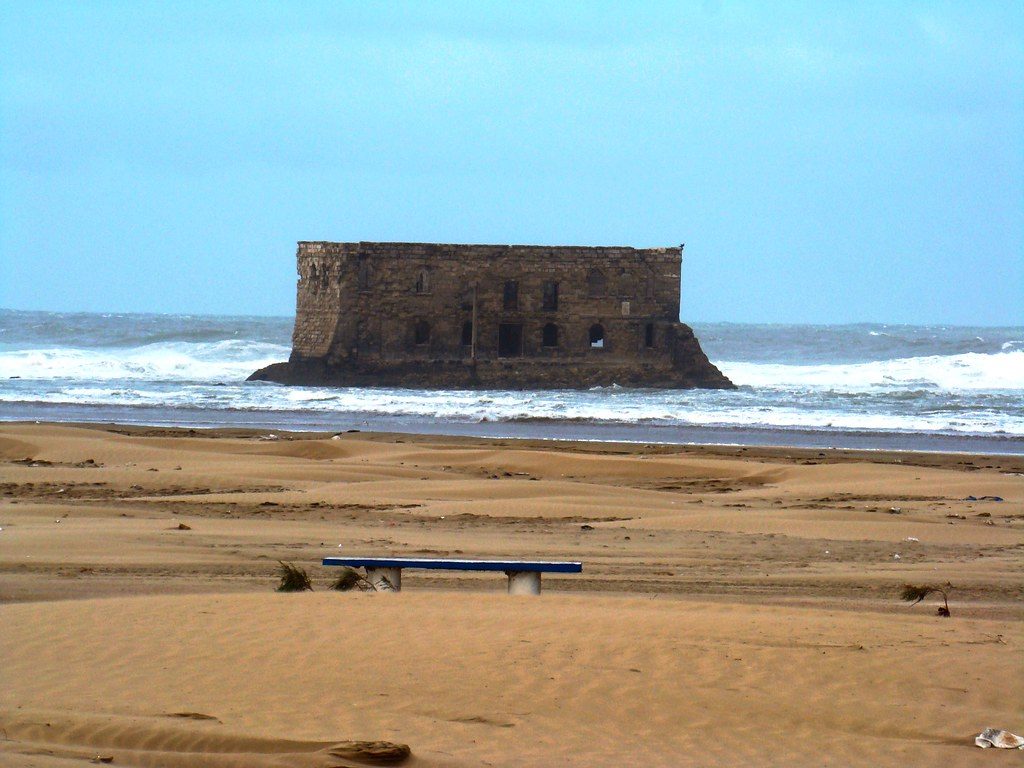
(914, 594)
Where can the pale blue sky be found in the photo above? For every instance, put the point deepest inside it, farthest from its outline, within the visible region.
(822, 162)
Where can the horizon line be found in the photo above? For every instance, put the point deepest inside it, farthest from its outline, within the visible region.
(716, 322)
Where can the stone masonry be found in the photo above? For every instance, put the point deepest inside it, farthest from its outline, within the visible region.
(490, 316)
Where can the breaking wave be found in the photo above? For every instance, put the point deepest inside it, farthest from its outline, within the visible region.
(913, 379)
(926, 413)
(952, 373)
(225, 360)
(233, 360)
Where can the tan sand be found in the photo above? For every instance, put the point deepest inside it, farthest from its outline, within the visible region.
(738, 606)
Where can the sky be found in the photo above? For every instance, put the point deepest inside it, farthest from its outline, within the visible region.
(822, 162)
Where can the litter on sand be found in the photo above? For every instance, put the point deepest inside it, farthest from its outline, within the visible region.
(993, 737)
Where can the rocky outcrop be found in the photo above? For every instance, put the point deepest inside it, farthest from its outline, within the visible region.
(446, 374)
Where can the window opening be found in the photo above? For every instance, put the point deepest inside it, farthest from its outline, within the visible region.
(423, 281)
(627, 288)
(363, 277)
(467, 333)
(422, 332)
(649, 335)
(511, 295)
(549, 336)
(597, 336)
(550, 302)
(596, 283)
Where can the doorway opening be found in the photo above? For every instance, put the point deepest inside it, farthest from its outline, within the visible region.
(421, 333)
(510, 339)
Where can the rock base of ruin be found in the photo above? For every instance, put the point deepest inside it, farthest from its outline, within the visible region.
(689, 369)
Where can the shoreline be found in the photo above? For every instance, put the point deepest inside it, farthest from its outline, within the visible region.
(1006, 462)
(307, 421)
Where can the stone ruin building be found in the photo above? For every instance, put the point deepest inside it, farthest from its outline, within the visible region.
(490, 316)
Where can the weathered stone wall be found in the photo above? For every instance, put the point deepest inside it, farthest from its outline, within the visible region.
(395, 313)
(318, 305)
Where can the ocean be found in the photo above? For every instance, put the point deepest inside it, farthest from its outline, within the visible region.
(874, 386)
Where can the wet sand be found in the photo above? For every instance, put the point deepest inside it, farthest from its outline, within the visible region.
(738, 606)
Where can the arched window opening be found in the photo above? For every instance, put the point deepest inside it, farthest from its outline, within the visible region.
(314, 277)
(649, 335)
(421, 332)
(467, 333)
(597, 336)
(549, 336)
(423, 281)
(597, 283)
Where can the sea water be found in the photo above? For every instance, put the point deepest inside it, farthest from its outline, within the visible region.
(866, 385)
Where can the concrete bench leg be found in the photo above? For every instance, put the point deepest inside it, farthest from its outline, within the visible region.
(523, 582)
(385, 579)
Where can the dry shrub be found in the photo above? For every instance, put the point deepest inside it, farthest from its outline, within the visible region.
(293, 579)
(349, 579)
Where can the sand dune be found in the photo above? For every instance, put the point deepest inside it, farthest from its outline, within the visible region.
(471, 679)
(738, 607)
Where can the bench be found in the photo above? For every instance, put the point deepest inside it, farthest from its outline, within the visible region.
(385, 573)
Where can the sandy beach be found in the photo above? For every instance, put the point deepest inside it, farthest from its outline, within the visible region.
(738, 606)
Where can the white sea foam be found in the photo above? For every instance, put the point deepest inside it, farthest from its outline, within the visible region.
(234, 360)
(970, 371)
(979, 393)
(469, 407)
(229, 360)
(719, 409)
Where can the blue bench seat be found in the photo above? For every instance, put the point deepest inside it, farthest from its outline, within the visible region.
(385, 573)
